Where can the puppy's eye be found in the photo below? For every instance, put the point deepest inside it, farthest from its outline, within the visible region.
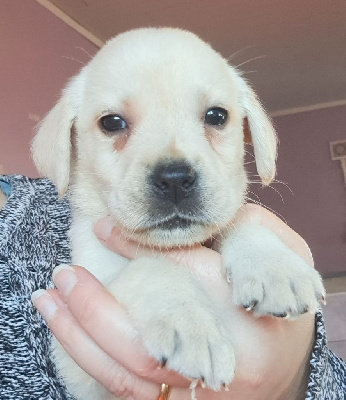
(216, 116)
(113, 123)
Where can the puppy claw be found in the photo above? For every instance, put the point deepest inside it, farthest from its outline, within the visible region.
(305, 310)
(281, 315)
(163, 362)
(250, 306)
(225, 387)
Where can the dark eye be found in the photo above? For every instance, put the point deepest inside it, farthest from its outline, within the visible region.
(216, 116)
(113, 123)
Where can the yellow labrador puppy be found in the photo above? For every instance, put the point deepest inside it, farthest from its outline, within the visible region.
(157, 121)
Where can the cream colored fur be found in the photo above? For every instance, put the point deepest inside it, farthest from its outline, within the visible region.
(162, 81)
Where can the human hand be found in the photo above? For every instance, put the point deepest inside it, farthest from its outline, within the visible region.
(272, 354)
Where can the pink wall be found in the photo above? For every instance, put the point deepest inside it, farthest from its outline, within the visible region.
(38, 53)
(317, 208)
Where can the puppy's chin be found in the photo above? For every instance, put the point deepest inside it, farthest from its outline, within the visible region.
(170, 235)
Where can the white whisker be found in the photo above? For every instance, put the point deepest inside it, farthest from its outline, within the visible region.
(251, 59)
(84, 51)
(74, 59)
(238, 52)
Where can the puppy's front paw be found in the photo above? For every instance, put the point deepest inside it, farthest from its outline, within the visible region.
(191, 341)
(268, 277)
(178, 323)
(280, 290)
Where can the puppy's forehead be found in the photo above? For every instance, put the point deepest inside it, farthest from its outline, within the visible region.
(157, 54)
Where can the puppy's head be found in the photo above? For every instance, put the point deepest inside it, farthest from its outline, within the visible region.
(157, 122)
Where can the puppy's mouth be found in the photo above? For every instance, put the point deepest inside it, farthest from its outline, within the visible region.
(174, 230)
(171, 223)
(174, 223)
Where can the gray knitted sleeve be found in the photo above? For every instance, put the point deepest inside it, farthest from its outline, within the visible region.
(33, 240)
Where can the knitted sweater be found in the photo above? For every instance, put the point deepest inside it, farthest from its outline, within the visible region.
(33, 240)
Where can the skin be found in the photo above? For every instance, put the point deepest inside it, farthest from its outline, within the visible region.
(3, 199)
(272, 353)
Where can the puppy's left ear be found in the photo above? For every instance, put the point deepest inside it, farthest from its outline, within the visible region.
(51, 147)
(259, 131)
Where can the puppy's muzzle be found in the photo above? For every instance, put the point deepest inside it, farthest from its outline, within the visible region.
(174, 182)
(174, 199)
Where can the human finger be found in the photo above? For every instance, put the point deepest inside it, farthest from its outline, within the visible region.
(197, 258)
(87, 354)
(108, 324)
(111, 236)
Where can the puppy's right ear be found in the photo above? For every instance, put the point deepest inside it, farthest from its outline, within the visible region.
(51, 147)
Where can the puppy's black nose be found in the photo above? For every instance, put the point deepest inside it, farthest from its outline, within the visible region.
(174, 180)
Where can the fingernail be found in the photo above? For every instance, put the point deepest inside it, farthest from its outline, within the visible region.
(44, 303)
(65, 278)
(103, 228)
